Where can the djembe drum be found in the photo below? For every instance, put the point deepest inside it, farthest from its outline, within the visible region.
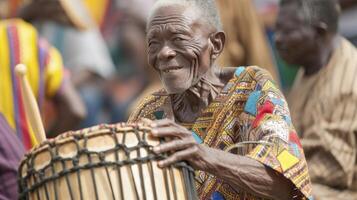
(103, 162)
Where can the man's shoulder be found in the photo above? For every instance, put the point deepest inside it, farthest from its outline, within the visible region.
(342, 69)
(252, 75)
(149, 105)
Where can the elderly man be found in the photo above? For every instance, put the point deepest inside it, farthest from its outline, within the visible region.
(232, 125)
(68, 26)
(323, 99)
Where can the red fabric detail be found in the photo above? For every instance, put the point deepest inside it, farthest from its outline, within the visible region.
(266, 108)
(295, 139)
(22, 115)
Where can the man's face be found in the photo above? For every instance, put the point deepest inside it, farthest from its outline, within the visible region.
(295, 39)
(178, 47)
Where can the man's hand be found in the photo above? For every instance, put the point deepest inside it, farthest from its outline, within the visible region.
(239, 171)
(180, 144)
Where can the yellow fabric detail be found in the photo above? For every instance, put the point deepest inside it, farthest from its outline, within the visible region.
(287, 160)
(6, 100)
(29, 54)
(96, 9)
(29, 57)
(54, 73)
(268, 85)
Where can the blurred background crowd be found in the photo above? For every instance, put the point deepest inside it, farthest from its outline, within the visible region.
(103, 46)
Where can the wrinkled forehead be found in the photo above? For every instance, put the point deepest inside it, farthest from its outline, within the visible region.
(171, 15)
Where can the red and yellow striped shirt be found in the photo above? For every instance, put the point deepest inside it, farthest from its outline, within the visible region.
(19, 43)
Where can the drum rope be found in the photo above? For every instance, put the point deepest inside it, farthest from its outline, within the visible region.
(40, 178)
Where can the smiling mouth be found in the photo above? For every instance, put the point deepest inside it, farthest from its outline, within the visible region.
(171, 69)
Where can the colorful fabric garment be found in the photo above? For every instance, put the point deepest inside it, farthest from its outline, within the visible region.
(11, 153)
(324, 112)
(250, 118)
(19, 43)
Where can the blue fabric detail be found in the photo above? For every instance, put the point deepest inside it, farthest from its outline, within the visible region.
(277, 101)
(258, 87)
(239, 70)
(159, 114)
(251, 105)
(287, 119)
(217, 196)
(295, 148)
(311, 198)
(197, 138)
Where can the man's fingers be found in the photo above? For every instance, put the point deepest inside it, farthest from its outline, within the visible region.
(162, 123)
(167, 132)
(176, 157)
(174, 145)
(146, 121)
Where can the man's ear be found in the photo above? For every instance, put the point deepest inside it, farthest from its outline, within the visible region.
(218, 40)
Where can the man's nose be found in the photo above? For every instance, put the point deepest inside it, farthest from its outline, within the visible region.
(166, 53)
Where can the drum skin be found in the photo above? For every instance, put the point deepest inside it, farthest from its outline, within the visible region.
(102, 162)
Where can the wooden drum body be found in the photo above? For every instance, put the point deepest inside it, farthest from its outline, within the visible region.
(102, 162)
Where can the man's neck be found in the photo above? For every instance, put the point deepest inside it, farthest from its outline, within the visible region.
(187, 106)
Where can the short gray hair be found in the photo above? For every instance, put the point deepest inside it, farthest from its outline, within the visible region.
(208, 8)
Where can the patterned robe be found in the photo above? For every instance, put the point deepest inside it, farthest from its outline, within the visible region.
(249, 117)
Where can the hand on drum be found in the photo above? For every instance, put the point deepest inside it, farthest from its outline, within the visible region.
(181, 145)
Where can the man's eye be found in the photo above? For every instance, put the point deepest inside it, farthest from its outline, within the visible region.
(178, 39)
(153, 43)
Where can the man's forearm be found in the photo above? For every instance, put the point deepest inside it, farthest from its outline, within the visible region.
(251, 176)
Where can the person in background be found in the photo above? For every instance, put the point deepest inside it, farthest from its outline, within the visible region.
(132, 51)
(323, 99)
(248, 44)
(20, 43)
(268, 11)
(11, 153)
(69, 27)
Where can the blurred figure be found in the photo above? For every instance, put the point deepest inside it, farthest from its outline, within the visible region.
(268, 11)
(88, 59)
(8, 8)
(348, 26)
(82, 46)
(135, 78)
(19, 43)
(11, 152)
(323, 99)
(247, 44)
(98, 10)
